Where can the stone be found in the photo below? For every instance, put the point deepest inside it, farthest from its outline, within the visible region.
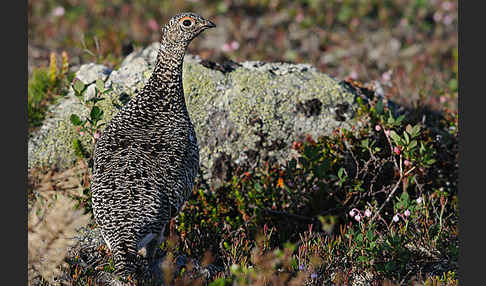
(249, 115)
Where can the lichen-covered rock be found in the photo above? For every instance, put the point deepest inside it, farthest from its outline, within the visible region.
(243, 116)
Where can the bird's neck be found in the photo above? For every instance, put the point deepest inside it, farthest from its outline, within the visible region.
(165, 85)
(168, 67)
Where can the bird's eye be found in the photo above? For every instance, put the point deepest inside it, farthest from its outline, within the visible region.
(186, 22)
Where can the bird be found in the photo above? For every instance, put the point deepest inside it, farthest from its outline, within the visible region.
(146, 159)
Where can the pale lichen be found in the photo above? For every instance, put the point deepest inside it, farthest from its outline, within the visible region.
(259, 108)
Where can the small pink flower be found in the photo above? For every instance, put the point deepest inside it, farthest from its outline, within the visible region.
(448, 19)
(419, 200)
(352, 213)
(96, 135)
(58, 11)
(387, 133)
(386, 76)
(229, 47)
(226, 47)
(377, 127)
(299, 17)
(234, 45)
(367, 213)
(395, 218)
(153, 25)
(354, 75)
(357, 217)
(407, 163)
(396, 150)
(406, 213)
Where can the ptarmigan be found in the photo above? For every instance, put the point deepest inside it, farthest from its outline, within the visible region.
(147, 157)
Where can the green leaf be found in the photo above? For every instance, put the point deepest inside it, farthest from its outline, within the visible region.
(79, 149)
(422, 147)
(365, 143)
(409, 129)
(412, 144)
(221, 282)
(100, 85)
(362, 258)
(399, 205)
(372, 245)
(396, 137)
(416, 131)
(369, 234)
(78, 86)
(379, 107)
(257, 187)
(96, 113)
(405, 197)
(399, 119)
(293, 263)
(407, 139)
(340, 172)
(75, 120)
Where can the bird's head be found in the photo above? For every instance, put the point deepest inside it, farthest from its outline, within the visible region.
(182, 28)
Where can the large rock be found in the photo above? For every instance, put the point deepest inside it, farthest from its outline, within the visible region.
(243, 115)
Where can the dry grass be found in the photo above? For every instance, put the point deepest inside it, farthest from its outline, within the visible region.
(51, 227)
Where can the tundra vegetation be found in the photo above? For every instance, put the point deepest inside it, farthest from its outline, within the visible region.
(376, 202)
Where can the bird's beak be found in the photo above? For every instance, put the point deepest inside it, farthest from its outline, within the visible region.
(209, 24)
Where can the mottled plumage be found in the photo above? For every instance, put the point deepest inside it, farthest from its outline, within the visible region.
(147, 157)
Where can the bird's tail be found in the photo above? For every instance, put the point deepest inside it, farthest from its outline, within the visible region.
(127, 263)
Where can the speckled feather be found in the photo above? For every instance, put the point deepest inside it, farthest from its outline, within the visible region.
(147, 157)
